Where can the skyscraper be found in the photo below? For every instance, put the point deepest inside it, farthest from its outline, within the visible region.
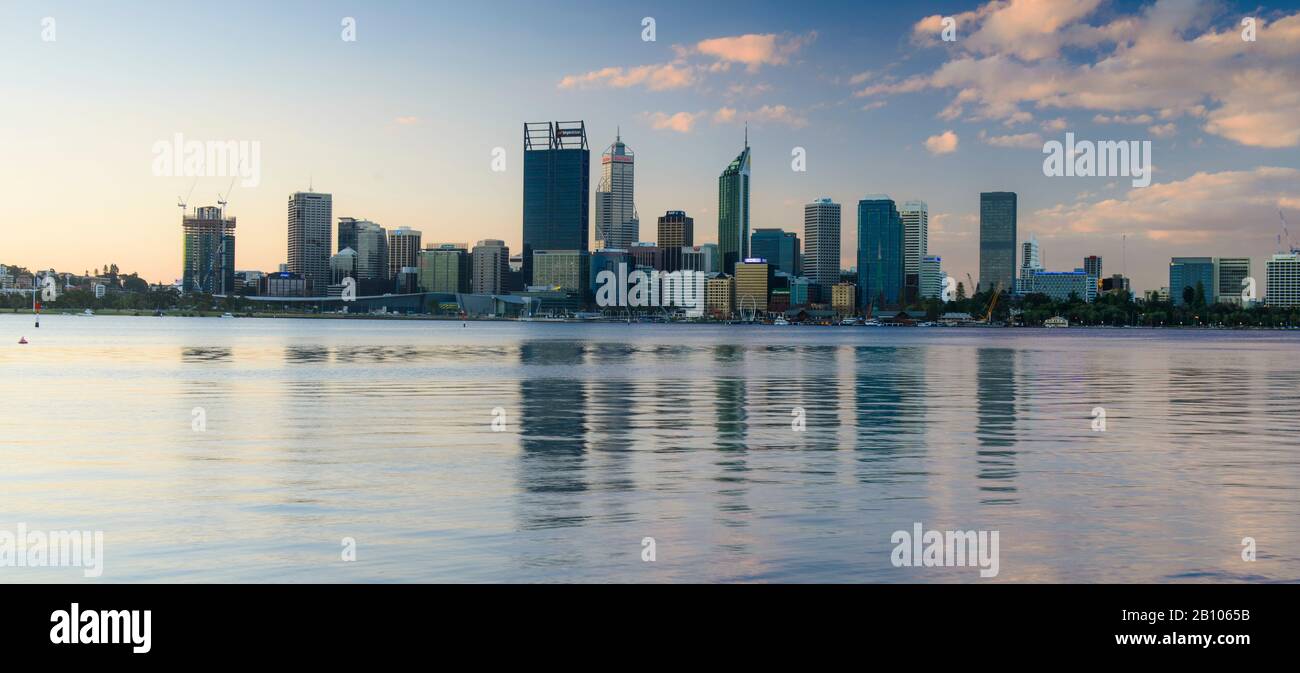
(491, 267)
(780, 248)
(557, 189)
(347, 233)
(208, 256)
(311, 218)
(821, 240)
(880, 252)
(372, 255)
(1092, 265)
(733, 210)
(676, 230)
(617, 224)
(997, 240)
(916, 242)
(1282, 276)
(403, 249)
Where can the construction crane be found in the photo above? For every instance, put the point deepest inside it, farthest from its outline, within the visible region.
(1285, 232)
(970, 284)
(988, 317)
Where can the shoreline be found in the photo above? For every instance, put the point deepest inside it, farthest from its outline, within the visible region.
(432, 318)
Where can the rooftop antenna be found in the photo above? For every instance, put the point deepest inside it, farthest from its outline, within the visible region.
(747, 134)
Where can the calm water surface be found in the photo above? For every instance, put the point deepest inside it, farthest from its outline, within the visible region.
(319, 430)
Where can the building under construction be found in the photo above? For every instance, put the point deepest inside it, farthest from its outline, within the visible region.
(208, 262)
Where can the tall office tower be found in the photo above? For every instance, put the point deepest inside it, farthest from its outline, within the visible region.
(733, 210)
(617, 224)
(931, 277)
(445, 269)
(780, 248)
(491, 267)
(1230, 272)
(311, 219)
(1191, 273)
(1092, 265)
(403, 249)
(557, 189)
(372, 251)
(676, 232)
(347, 233)
(1282, 276)
(916, 243)
(997, 240)
(208, 257)
(821, 241)
(1030, 263)
(880, 253)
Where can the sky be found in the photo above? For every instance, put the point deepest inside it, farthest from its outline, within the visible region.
(401, 123)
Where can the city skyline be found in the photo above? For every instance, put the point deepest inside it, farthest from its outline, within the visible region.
(885, 122)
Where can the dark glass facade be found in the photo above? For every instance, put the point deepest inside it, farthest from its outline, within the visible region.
(557, 189)
(997, 240)
(733, 212)
(880, 254)
(778, 247)
(1186, 272)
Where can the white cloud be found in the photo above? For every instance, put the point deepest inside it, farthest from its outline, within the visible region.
(681, 122)
(944, 143)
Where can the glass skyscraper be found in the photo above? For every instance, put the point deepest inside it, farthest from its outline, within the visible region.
(997, 240)
(880, 253)
(780, 248)
(1187, 272)
(733, 211)
(557, 189)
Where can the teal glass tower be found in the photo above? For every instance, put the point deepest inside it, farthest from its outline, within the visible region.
(733, 211)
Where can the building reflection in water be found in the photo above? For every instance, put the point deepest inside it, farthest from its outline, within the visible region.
(995, 429)
(552, 434)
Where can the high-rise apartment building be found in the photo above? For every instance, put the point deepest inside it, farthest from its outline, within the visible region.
(931, 277)
(557, 190)
(997, 240)
(311, 220)
(1282, 280)
(617, 223)
(821, 241)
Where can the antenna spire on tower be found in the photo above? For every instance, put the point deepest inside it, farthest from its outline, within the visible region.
(746, 135)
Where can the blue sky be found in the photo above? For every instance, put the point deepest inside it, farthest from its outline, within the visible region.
(400, 124)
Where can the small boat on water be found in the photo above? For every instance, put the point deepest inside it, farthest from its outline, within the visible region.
(1056, 321)
(227, 315)
(88, 313)
(22, 340)
(780, 321)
